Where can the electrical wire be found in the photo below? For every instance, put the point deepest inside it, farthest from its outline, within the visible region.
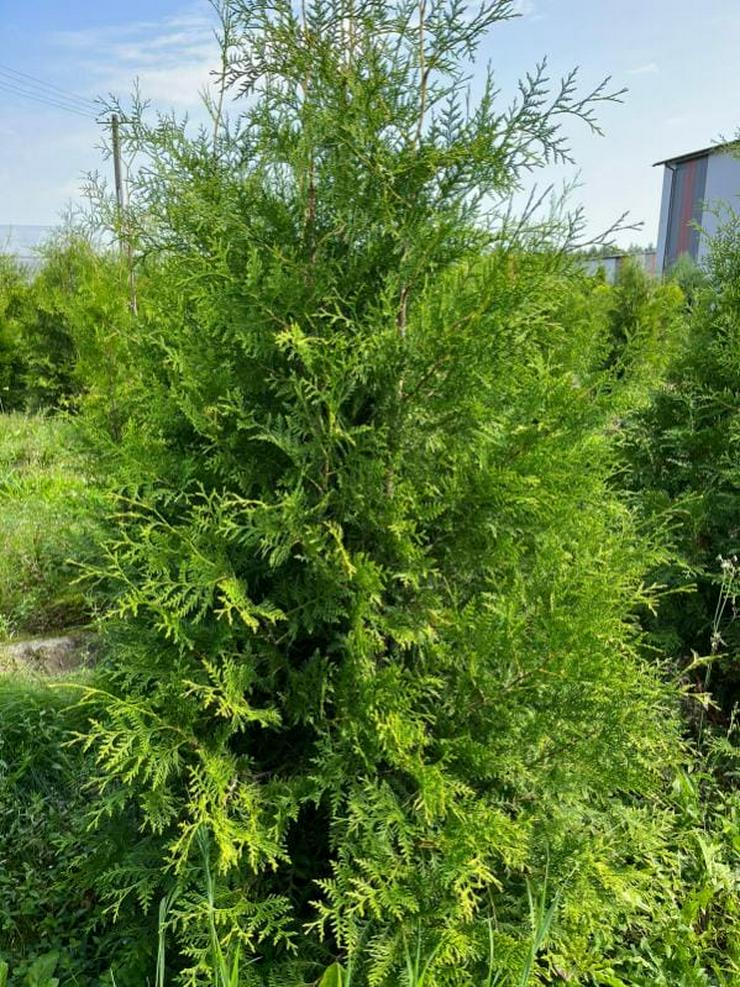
(7, 87)
(66, 95)
(49, 101)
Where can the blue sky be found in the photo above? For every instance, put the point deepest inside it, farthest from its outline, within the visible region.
(678, 58)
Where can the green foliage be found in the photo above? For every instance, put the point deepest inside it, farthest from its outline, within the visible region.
(375, 592)
(63, 330)
(46, 346)
(224, 964)
(97, 317)
(335, 976)
(688, 276)
(375, 703)
(683, 455)
(645, 328)
(51, 520)
(13, 288)
(52, 927)
(682, 461)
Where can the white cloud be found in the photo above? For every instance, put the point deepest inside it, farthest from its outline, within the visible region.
(171, 58)
(523, 7)
(47, 152)
(527, 9)
(650, 68)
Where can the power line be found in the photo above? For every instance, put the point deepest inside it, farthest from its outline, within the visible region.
(48, 93)
(8, 87)
(49, 101)
(67, 95)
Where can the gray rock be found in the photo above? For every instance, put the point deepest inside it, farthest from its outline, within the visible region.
(48, 655)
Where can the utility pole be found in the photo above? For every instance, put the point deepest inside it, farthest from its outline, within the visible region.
(115, 126)
(125, 241)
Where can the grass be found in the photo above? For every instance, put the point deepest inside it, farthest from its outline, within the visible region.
(50, 519)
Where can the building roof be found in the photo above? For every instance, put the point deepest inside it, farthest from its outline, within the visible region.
(713, 149)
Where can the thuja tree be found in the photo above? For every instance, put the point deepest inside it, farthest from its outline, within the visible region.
(13, 287)
(48, 321)
(372, 647)
(683, 452)
(646, 327)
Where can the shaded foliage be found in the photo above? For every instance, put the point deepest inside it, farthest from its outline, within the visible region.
(52, 922)
(683, 453)
(63, 329)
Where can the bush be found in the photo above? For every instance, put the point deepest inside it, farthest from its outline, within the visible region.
(13, 289)
(93, 303)
(646, 328)
(683, 453)
(52, 923)
(63, 330)
(375, 641)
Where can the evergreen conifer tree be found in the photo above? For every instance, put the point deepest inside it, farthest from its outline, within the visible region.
(373, 633)
(683, 456)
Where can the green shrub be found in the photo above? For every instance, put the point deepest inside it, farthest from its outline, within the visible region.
(375, 592)
(52, 925)
(46, 346)
(63, 330)
(687, 274)
(93, 303)
(13, 290)
(683, 452)
(646, 327)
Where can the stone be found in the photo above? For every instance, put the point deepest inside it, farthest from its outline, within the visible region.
(48, 655)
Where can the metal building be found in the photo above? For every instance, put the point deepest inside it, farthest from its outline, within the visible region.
(696, 187)
(611, 264)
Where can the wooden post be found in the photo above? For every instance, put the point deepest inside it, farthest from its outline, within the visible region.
(125, 241)
(115, 126)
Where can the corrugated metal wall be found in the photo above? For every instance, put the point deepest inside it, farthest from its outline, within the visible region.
(687, 195)
(612, 264)
(722, 194)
